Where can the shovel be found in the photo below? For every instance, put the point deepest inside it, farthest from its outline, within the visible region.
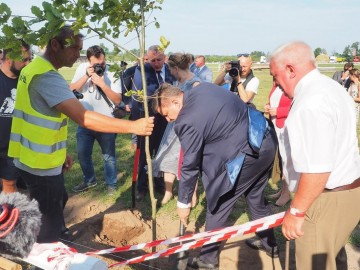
(182, 257)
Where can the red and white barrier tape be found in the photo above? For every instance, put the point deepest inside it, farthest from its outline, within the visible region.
(196, 240)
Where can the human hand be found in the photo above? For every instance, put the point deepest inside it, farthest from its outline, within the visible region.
(127, 108)
(144, 127)
(89, 71)
(97, 80)
(292, 226)
(183, 214)
(266, 108)
(273, 111)
(67, 164)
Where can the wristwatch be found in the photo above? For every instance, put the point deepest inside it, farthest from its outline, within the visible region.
(296, 212)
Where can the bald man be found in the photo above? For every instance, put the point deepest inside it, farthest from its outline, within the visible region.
(321, 159)
(244, 84)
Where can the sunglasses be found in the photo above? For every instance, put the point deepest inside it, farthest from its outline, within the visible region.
(243, 54)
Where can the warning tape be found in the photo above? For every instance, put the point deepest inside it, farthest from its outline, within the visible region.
(194, 240)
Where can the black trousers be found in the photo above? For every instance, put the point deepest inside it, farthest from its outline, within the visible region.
(50, 193)
(160, 124)
(251, 183)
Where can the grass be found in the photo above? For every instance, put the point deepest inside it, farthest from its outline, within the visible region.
(125, 157)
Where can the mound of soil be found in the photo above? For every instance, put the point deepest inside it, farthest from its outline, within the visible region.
(95, 226)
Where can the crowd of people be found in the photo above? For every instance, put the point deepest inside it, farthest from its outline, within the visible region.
(198, 131)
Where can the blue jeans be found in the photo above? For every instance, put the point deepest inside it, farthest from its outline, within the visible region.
(85, 142)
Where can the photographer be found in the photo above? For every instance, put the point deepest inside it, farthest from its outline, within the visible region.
(241, 77)
(89, 79)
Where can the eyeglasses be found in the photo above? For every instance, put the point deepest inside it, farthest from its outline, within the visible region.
(243, 54)
(26, 59)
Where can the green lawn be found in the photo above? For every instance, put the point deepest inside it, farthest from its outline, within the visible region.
(125, 166)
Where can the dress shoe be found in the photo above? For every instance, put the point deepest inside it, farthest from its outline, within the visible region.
(255, 243)
(196, 263)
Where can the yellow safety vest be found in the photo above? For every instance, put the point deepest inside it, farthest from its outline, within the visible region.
(37, 140)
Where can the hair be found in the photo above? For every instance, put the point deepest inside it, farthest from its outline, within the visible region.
(348, 65)
(180, 60)
(296, 52)
(95, 50)
(162, 95)
(201, 56)
(24, 45)
(355, 72)
(154, 48)
(65, 33)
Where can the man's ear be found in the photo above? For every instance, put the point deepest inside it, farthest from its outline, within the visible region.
(55, 44)
(291, 71)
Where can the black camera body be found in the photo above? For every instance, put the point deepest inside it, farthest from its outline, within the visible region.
(235, 69)
(99, 69)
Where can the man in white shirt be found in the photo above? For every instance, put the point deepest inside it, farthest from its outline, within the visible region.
(90, 79)
(321, 159)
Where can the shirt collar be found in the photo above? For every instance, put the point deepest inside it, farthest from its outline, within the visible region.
(304, 80)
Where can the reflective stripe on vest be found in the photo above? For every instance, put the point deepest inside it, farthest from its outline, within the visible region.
(37, 140)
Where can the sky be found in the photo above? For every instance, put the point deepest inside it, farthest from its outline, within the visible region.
(229, 27)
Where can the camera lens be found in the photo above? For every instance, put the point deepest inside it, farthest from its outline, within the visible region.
(234, 72)
(99, 70)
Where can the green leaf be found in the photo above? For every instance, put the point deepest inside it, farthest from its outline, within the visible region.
(36, 11)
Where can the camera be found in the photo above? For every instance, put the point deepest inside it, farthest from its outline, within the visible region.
(99, 69)
(235, 68)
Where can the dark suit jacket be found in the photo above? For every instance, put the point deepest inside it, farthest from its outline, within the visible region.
(152, 85)
(126, 82)
(212, 127)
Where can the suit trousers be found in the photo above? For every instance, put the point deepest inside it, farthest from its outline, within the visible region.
(251, 183)
(50, 193)
(327, 228)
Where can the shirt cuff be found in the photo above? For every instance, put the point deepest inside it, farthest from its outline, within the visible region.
(183, 205)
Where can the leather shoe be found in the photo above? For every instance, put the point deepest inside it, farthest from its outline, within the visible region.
(255, 243)
(196, 263)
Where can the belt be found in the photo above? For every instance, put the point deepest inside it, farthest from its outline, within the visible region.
(353, 185)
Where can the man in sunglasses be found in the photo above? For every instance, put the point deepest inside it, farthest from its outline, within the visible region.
(9, 75)
(243, 82)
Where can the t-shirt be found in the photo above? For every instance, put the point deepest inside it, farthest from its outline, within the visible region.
(7, 103)
(46, 91)
(252, 86)
(93, 100)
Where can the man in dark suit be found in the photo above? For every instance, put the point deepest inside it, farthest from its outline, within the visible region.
(215, 141)
(156, 73)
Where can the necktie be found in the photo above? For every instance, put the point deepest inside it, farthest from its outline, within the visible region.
(160, 79)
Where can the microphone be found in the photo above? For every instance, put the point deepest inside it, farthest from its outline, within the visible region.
(20, 221)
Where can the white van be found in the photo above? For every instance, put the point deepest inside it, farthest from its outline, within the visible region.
(333, 59)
